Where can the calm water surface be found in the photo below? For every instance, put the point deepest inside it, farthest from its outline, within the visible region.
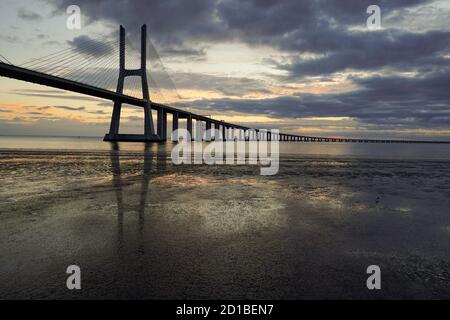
(140, 227)
(357, 150)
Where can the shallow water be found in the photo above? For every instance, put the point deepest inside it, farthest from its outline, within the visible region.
(356, 150)
(141, 227)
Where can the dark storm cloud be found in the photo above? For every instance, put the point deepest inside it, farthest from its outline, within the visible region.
(160, 79)
(321, 27)
(233, 86)
(301, 25)
(334, 31)
(28, 15)
(168, 21)
(374, 50)
(177, 20)
(417, 102)
(92, 47)
(191, 53)
(294, 26)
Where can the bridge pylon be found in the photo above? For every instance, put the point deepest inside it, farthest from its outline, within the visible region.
(149, 130)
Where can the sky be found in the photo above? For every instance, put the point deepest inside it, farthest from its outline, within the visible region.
(304, 67)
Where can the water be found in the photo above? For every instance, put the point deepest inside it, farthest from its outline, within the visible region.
(141, 227)
(321, 149)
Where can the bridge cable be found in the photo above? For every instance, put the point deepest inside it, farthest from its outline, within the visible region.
(54, 55)
(72, 58)
(5, 59)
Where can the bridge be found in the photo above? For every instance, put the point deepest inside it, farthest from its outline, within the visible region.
(57, 70)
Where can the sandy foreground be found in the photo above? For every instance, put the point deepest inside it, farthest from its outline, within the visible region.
(140, 227)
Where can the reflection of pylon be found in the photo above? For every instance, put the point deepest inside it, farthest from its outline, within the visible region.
(118, 188)
(149, 130)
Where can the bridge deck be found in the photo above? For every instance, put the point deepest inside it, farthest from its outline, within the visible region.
(15, 72)
(23, 74)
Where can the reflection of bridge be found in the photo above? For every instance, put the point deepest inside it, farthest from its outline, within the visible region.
(55, 71)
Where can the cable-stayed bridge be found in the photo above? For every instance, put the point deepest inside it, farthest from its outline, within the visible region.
(90, 69)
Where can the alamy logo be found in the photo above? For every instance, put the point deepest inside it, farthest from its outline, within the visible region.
(374, 281)
(74, 20)
(74, 280)
(374, 20)
(257, 147)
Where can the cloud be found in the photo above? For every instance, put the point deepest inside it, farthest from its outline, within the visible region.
(28, 15)
(52, 126)
(320, 27)
(56, 94)
(70, 108)
(375, 50)
(185, 52)
(174, 22)
(393, 102)
(135, 118)
(97, 112)
(35, 113)
(168, 21)
(401, 71)
(92, 47)
(9, 38)
(233, 86)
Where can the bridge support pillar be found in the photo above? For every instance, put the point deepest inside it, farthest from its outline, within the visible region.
(148, 121)
(162, 124)
(164, 131)
(224, 133)
(149, 131)
(228, 135)
(175, 117)
(208, 131)
(115, 119)
(189, 125)
(216, 131)
(198, 130)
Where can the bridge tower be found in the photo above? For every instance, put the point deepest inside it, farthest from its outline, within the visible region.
(149, 130)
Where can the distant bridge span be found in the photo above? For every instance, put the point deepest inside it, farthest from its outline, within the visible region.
(227, 130)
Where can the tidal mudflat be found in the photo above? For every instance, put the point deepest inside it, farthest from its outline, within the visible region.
(140, 227)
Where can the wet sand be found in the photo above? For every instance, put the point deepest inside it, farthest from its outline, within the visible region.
(142, 228)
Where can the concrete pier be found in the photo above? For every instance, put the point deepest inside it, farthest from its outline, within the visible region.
(189, 124)
(208, 131)
(175, 117)
(149, 131)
